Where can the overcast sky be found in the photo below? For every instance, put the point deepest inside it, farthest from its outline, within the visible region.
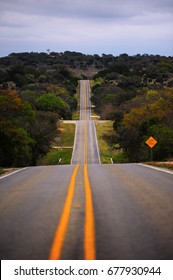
(88, 26)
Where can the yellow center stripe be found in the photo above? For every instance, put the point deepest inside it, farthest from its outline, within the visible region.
(85, 129)
(89, 229)
(59, 238)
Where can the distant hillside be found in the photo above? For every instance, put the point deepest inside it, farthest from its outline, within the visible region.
(78, 63)
(146, 66)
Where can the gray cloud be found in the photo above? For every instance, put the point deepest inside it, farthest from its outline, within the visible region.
(89, 8)
(92, 26)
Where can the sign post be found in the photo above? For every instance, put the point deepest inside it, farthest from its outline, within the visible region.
(151, 142)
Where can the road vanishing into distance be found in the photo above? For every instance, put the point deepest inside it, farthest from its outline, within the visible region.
(86, 210)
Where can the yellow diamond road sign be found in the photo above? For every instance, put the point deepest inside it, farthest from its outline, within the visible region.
(151, 142)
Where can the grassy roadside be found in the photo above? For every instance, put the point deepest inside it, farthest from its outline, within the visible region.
(108, 154)
(2, 171)
(62, 147)
(168, 165)
(57, 156)
(103, 127)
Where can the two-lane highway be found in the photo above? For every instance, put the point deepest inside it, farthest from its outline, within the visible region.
(85, 131)
(86, 210)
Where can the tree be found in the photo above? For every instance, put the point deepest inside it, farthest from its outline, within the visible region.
(15, 142)
(43, 131)
(51, 102)
(153, 116)
(25, 134)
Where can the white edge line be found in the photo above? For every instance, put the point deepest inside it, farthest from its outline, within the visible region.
(89, 97)
(156, 168)
(74, 144)
(96, 142)
(97, 146)
(11, 173)
(80, 93)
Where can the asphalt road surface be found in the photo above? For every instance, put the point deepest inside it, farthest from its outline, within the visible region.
(86, 210)
(85, 131)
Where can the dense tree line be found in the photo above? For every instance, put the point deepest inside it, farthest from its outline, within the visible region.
(34, 95)
(25, 133)
(38, 89)
(137, 94)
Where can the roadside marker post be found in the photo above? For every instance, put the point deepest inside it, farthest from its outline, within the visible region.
(151, 142)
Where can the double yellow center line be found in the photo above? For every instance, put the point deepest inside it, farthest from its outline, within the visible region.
(89, 226)
(89, 229)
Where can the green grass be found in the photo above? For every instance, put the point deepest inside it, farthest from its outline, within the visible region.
(168, 165)
(57, 156)
(66, 137)
(120, 157)
(104, 149)
(2, 171)
(108, 154)
(76, 115)
(62, 147)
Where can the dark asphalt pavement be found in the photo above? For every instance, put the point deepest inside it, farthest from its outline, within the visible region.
(133, 209)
